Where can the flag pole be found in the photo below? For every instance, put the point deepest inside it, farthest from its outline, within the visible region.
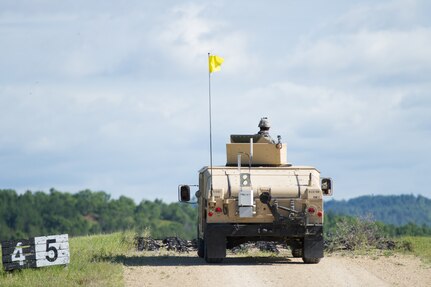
(209, 106)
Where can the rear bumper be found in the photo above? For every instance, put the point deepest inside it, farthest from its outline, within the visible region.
(262, 230)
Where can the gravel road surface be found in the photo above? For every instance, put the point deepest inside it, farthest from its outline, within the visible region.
(189, 270)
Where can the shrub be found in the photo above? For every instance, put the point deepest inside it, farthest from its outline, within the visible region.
(353, 233)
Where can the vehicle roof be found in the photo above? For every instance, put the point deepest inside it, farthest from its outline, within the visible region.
(256, 168)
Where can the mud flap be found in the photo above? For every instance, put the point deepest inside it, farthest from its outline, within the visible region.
(215, 244)
(313, 246)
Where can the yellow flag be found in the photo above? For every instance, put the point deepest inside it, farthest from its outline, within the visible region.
(215, 63)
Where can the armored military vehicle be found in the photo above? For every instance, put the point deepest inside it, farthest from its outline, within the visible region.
(259, 196)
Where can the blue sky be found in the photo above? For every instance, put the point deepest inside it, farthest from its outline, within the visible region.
(113, 96)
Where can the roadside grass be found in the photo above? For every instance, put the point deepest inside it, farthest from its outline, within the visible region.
(417, 245)
(88, 266)
(356, 236)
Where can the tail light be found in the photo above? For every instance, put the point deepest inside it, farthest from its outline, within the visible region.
(210, 214)
(320, 213)
(311, 209)
(218, 209)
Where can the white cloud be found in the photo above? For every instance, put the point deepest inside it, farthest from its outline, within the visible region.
(114, 97)
(366, 56)
(189, 35)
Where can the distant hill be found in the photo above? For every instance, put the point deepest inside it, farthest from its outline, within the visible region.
(390, 209)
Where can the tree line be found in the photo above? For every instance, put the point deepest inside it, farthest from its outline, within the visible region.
(398, 210)
(92, 212)
(332, 221)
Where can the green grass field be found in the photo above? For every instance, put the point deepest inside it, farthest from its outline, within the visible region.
(88, 266)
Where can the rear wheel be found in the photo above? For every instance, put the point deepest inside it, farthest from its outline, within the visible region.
(201, 246)
(297, 248)
(311, 260)
(213, 260)
(312, 249)
(297, 252)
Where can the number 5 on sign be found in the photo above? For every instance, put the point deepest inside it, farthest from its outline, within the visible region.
(52, 250)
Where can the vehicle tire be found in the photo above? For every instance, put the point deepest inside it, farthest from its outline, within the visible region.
(213, 260)
(311, 260)
(297, 252)
(201, 246)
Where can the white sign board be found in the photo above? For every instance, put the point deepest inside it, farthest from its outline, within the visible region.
(36, 252)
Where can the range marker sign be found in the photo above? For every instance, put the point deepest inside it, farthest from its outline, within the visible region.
(35, 252)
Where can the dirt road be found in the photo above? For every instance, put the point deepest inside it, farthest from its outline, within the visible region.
(397, 270)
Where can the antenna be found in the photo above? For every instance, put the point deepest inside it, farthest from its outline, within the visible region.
(211, 139)
(214, 63)
(251, 153)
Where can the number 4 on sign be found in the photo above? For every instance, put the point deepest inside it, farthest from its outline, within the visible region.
(18, 255)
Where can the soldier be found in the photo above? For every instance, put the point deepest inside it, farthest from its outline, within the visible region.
(264, 130)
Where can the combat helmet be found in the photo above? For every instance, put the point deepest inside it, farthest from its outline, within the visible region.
(264, 124)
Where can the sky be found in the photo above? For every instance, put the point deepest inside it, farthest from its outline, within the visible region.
(113, 95)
